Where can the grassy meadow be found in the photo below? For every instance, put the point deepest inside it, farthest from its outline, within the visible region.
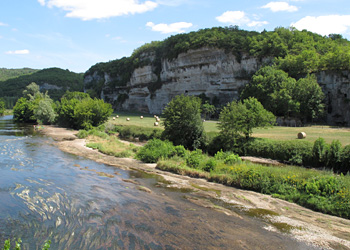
(276, 133)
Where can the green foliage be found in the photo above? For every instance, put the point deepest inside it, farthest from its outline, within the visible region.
(296, 52)
(319, 152)
(45, 113)
(232, 159)
(310, 98)
(319, 190)
(239, 118)
(345, 159)
(208, 109)
(154, 150)
(34, 106)
(63, 79)
(23, 111)
(195, 158)
(182, 122)
(6, 74)
(142, 133)
(78, 110)
(7, 245)
(2, 107)
(274, 89)
(284, 96)
(334, 156)
(295, 152)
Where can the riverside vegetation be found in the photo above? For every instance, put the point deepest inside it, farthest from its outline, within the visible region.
(320, 190)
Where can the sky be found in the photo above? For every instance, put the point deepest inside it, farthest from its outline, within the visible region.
(76, 34)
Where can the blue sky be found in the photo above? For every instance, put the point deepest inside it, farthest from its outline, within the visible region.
(76, 34)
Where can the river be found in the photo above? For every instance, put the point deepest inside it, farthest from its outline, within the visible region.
(46, 194)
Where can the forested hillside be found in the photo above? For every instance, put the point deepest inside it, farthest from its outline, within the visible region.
(6, 74)
(56, 81)
(296, 52)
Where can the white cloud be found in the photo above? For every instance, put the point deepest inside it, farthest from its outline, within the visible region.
(233, 17)
(257, 23)
(169, 28)
(239, 18)
(99, 9)
(42, 2)
(3, 24)
(280, 6)
(17, 52)
(324, 25)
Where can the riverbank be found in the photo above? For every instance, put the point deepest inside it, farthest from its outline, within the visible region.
(318, 229)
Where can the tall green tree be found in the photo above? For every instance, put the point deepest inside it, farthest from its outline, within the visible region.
(240, 118)
(182, 121)
(310, 97)
(274, 89)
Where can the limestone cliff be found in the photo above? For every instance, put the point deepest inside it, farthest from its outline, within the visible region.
(217, 74)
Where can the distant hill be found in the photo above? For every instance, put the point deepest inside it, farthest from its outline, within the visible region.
(54, 80)
(6, 74)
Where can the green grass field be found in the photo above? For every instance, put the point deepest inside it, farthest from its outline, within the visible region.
(275, 133)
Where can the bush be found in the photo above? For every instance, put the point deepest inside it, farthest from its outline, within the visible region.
(195, 158)
(345, 158)
(232, 159)
(143, 133)
(286, 151)
(334, 156)
(319, 152)
(210, 165)
(77, 110)
(154, 150)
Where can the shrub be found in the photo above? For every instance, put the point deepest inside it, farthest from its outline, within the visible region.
(154, 150)
(143, 133)
(180, 151)
(232, 159)
(210, 164)
(195, 158)
(334, 156)
(345, 158)
(287, 151)
(319, 152)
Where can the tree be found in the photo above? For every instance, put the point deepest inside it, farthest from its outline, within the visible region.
(45, 112)
(182, 122)
(23, 111)
(34, 106)
(310, 97)
(78, 110)
(274, 89)
(208, 109)
(239, 118)
(31, 91)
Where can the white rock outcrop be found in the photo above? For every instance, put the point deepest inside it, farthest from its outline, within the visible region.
(213, 72)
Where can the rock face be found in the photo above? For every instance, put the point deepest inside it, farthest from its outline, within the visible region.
(213, 72)
(336, 87)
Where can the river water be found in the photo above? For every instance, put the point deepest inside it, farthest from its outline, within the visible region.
(46, 194)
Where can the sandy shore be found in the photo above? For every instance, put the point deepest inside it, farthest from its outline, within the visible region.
(321, 230)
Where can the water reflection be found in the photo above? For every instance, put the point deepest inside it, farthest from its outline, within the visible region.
(80, 204)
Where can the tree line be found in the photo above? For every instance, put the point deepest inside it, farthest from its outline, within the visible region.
(75, 109)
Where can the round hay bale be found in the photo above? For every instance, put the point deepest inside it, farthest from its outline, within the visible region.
(154, 116)
(117, 116)
(113, 118)
(301, 135)
(156, 124)
(128, 119)
(158, 120)
(141, 117)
